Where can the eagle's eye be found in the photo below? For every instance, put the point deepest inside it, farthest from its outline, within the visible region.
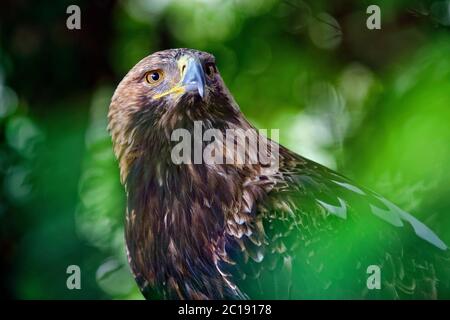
(154, 76)
(210, 69)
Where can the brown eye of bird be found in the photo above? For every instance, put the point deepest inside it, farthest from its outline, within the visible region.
(210, 69)
(154, 76)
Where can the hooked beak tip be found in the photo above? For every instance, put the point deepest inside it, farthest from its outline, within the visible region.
(194, 77)
(201, 91)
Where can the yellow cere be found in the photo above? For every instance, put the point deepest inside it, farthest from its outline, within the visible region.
(178, 89)
(182, 63)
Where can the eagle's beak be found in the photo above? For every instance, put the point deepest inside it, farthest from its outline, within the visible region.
(192, 75)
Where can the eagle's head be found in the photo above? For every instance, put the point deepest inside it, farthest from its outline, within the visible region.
(167, 90)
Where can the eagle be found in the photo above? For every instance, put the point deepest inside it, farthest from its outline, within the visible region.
(288, 228)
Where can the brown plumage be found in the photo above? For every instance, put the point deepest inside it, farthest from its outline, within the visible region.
(233, 231)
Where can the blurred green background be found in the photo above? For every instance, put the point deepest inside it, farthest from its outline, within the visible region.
(373, 104)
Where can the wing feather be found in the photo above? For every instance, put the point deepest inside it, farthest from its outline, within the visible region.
(316, 232)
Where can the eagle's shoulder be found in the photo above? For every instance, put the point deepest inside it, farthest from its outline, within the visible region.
(313, 233)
